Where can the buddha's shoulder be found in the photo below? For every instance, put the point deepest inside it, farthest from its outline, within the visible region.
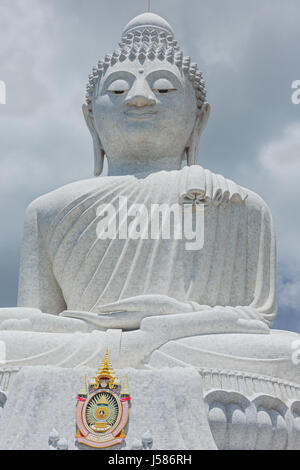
(250, 199)
(49, 205)
(255, 202)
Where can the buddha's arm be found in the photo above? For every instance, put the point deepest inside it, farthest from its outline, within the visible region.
(38, 287)
(259, 278)
(264, 296)
(257, 281)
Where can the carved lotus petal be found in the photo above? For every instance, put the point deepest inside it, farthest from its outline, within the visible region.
(237, 426)
(218, 423)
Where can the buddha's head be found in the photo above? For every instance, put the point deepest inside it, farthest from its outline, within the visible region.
(146, 100)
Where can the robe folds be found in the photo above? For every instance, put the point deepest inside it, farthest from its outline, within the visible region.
(66, 265)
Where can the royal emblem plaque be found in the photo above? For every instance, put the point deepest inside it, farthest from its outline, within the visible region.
(102, 409)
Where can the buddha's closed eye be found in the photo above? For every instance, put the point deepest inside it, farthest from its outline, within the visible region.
(163, 86)
(118, 87)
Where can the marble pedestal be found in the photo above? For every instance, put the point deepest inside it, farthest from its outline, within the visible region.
(167, 402)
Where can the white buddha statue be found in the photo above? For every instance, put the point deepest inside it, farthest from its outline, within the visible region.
(151, 300)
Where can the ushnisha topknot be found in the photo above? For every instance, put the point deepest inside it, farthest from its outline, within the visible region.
(148, 37)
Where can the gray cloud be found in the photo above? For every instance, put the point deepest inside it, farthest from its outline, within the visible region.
(248, 53)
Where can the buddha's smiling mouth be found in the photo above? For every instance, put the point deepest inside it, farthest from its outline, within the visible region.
(140, 113)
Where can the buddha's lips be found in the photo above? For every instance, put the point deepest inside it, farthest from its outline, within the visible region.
(140, 113)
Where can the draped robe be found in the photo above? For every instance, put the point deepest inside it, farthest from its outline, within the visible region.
(65, 265)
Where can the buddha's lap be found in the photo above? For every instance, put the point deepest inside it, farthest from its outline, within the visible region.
(270, 355)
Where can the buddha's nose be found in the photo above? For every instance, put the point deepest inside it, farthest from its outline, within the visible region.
(140, 95)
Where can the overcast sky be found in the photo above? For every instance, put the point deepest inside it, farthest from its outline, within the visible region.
(249, 53)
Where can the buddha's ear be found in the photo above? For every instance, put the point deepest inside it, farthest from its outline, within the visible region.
(194, 141)
(98, 149)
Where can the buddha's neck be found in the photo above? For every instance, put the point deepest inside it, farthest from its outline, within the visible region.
(124, 166)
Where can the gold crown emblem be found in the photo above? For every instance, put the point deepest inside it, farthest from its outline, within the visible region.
(105, 371)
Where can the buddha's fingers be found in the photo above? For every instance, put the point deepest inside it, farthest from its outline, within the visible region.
(127, 314)
(118, 320)
(150, 304)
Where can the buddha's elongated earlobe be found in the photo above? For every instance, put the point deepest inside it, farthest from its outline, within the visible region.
(193, 144)
(98, 149)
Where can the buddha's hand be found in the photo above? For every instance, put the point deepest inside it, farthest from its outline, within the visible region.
(127, 314)
(29, 319)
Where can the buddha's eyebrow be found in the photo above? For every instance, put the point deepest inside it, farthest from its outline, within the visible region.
(118, 75)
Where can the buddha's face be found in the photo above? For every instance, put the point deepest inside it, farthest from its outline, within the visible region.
(144, 110)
